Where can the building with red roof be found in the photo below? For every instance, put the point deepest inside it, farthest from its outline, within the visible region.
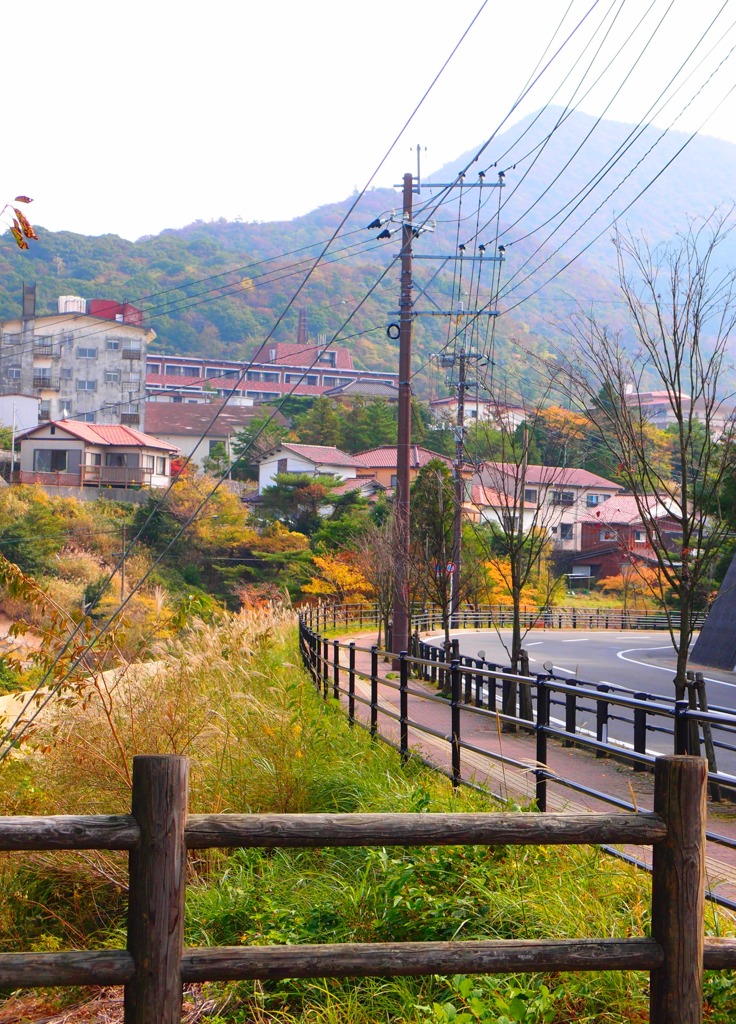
(67, 453)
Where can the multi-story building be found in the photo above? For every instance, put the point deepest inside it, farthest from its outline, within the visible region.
(86, 361)
(277, 368)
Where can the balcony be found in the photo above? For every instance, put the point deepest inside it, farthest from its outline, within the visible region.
(98, 476)
(132, 353)
(130, 419)
(44, 348)
(44, 382)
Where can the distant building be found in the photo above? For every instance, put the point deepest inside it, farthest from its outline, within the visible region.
(382, 462)
(482, 410)
(85, 361)
(277, 368)
(656, 408)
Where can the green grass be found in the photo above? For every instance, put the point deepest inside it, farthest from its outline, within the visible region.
(233, 697)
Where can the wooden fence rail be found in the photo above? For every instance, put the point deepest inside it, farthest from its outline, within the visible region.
(158, 833)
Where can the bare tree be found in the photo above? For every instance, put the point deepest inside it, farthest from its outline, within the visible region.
(682, 309)
(375, 556)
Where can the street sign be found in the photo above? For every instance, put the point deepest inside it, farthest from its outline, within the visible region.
(451, 567)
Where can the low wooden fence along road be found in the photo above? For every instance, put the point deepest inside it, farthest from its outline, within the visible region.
(158, 834)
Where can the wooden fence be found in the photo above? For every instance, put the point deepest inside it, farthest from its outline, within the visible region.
(158, 834)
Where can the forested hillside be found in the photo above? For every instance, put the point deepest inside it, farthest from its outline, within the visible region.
(219, 287)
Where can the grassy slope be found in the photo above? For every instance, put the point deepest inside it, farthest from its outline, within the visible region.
(234, 699)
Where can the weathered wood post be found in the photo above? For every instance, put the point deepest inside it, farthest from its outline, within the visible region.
(374, 690)
(678, 890)
(336, 669)
(351, 684)
(455, 696)
(403, 706)
(157, 887)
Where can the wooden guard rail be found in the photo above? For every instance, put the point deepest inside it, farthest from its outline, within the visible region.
(158, 833)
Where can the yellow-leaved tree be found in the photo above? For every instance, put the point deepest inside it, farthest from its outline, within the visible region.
(337, 579)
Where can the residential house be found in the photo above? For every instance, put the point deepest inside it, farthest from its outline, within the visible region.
(196, 429)
(71, 454)
(86, 360)
(381, 462)
(315, 459)
(482, 410)
(555, 497)
(614, 536)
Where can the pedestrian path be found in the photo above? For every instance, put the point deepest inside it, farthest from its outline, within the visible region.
(517, 785)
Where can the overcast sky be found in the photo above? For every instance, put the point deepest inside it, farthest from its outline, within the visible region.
(131, 118)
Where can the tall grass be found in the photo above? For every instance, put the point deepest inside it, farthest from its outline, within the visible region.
(233, 697)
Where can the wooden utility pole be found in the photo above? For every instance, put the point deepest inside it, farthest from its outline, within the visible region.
(457, 524)
(400, 632)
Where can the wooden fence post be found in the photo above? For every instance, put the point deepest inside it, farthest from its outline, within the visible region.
(157, 887)
(678, 890)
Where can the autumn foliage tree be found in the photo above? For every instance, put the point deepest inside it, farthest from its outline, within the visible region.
(337, 579)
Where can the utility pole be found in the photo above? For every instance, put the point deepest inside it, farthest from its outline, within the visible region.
(400, 632)
(457, 524)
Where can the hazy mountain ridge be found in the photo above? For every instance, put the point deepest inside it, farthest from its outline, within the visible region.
(203, 291)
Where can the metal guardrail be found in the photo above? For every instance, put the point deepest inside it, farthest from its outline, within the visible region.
(321, 617)
(469, 688)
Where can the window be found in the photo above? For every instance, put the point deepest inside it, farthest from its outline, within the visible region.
(282, 466)
(296, 378)
(608, 535)
(174, 370)
(86, 385)
(86, 353)
(530, 494)
(112, 344)
(161, 465)
(329, 382)
(66, 373)
(87, 417)
(562, 498)
(640, 537)
(147, 462)
(595, 499)
(50, 460)
(566, 531)
(14, 372)
(112, 376)
(153, 367)
(94, 459)
(394, 480)
(122, 459)
(213, 445)
(327, 357)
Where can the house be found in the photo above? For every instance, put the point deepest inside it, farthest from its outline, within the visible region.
(381, 462)
(68, 453)
(614, 536)
(555, 497)
(195, 429)
(656, 408)
(483, 410)
(315, 459)
(86, 360)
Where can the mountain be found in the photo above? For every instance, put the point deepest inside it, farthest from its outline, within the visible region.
(217, 288)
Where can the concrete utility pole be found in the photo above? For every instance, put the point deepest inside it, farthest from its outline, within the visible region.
(400, 633)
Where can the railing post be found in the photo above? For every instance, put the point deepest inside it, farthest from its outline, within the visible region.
(325, 667)
(640, 731)
(351, 683)
(156, 890)
(403, 706)
(571, 713)
(455, 684)
(336, 669)
(543, 695)
(681, 727)
(374, 690)
(601, 719)
(678, 891)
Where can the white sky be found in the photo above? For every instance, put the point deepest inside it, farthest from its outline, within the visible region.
(134, 117)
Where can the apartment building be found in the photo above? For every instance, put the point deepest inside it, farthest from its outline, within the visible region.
(84, 362)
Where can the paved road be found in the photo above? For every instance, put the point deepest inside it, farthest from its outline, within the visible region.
(632, 659)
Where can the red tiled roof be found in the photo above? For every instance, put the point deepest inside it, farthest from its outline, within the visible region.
(484, 497)
(195, 419)
(384, 457)
(296, 354)
(322, 454)
(111, 434)
(546, 476)
(620, 510)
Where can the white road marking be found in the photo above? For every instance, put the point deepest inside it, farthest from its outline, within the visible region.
(577, 640)
(535, 643)
(662, 668)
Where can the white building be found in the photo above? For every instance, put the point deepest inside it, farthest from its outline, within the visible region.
(86, 365)
(315, 459)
